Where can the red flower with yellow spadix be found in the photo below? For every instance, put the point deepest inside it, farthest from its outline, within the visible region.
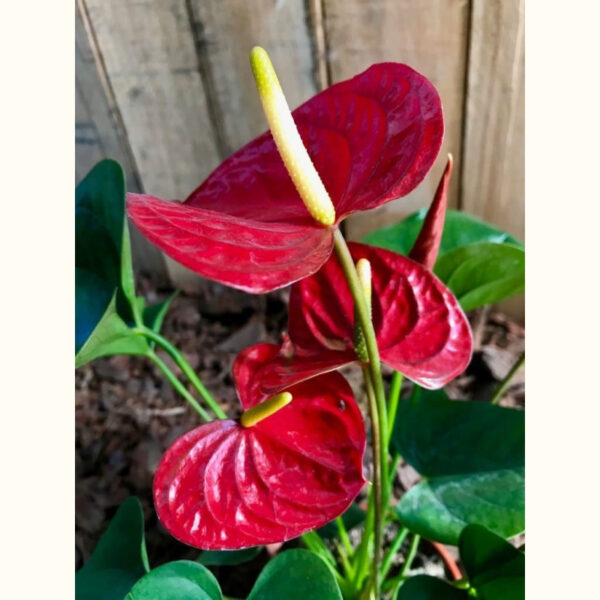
(421, 329)
(259, 222)
(293, 462)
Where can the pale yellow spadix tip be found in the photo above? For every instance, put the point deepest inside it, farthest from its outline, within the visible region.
(265, 409)
(288, 140)
(363, 268)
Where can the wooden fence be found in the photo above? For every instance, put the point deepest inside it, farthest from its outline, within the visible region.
(164, 86)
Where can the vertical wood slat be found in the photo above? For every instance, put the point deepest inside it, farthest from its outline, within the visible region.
(98, 135)
(226, 31)
(430, 36)
(148, 50)
(494, 167)
(181, 81)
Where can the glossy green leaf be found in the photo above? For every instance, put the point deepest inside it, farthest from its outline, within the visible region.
(460, 229)
(439, 508)
(495, 568)
(111, 335)
(296, 575)
(179, 580)
(102, 194)
(471, 456)
(424, 587)
(119, 559)
(95, 250)
(483, 273)
(352, 517)
(220, 558)
(103, 266)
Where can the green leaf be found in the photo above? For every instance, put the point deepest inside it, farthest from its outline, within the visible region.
(95, 250)
(478, 262)
(103, 263)
(496, 569)
(460, 229)
(424, 587)
(220, 558)
(102, 194)
(111, 335)
(483, 273)
(179, 580)
(119, 559)
(471, 456)
(439, 509)
(296, 575)
(352, 517)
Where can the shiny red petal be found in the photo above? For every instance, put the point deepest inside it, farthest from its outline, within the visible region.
(421, 329)
(372, 138)
(222, 486)
(426, 246)
(249, 255)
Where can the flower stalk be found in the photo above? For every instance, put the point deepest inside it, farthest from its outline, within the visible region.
(374, 385)
(185, 367)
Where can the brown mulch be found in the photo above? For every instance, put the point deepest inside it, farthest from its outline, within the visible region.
(126, 414)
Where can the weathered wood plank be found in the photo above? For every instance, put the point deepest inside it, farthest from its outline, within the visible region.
(493, 182)
(494, 165)
(225, 32)
(98, 135)
(431, 37)
(148, 50)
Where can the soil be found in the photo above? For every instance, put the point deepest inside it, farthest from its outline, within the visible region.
(126, 414)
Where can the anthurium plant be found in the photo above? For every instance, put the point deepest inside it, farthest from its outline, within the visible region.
(293, 465)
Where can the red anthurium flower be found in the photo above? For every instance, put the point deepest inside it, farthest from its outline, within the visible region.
(372, 139)
(228, 485)
(421, 329)
(426, 246)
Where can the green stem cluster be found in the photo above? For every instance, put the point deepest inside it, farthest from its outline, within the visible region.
(377, 409)
(186, 369)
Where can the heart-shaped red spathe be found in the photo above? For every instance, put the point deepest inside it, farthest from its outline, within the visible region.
(420, 327)
(372, 139)
(223, 486)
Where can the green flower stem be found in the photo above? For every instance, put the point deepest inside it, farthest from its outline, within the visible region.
(377, 405)
(397, 581)
(312, 540)
(394, 398)
(348, 569)
(185, 367)
(364, 316)
(392, 550)
(362, 552)
(178, 385)
(412, 552)
(378, 488)
(343, 533)
(392, 476)
(506, 381)
(397, 585)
